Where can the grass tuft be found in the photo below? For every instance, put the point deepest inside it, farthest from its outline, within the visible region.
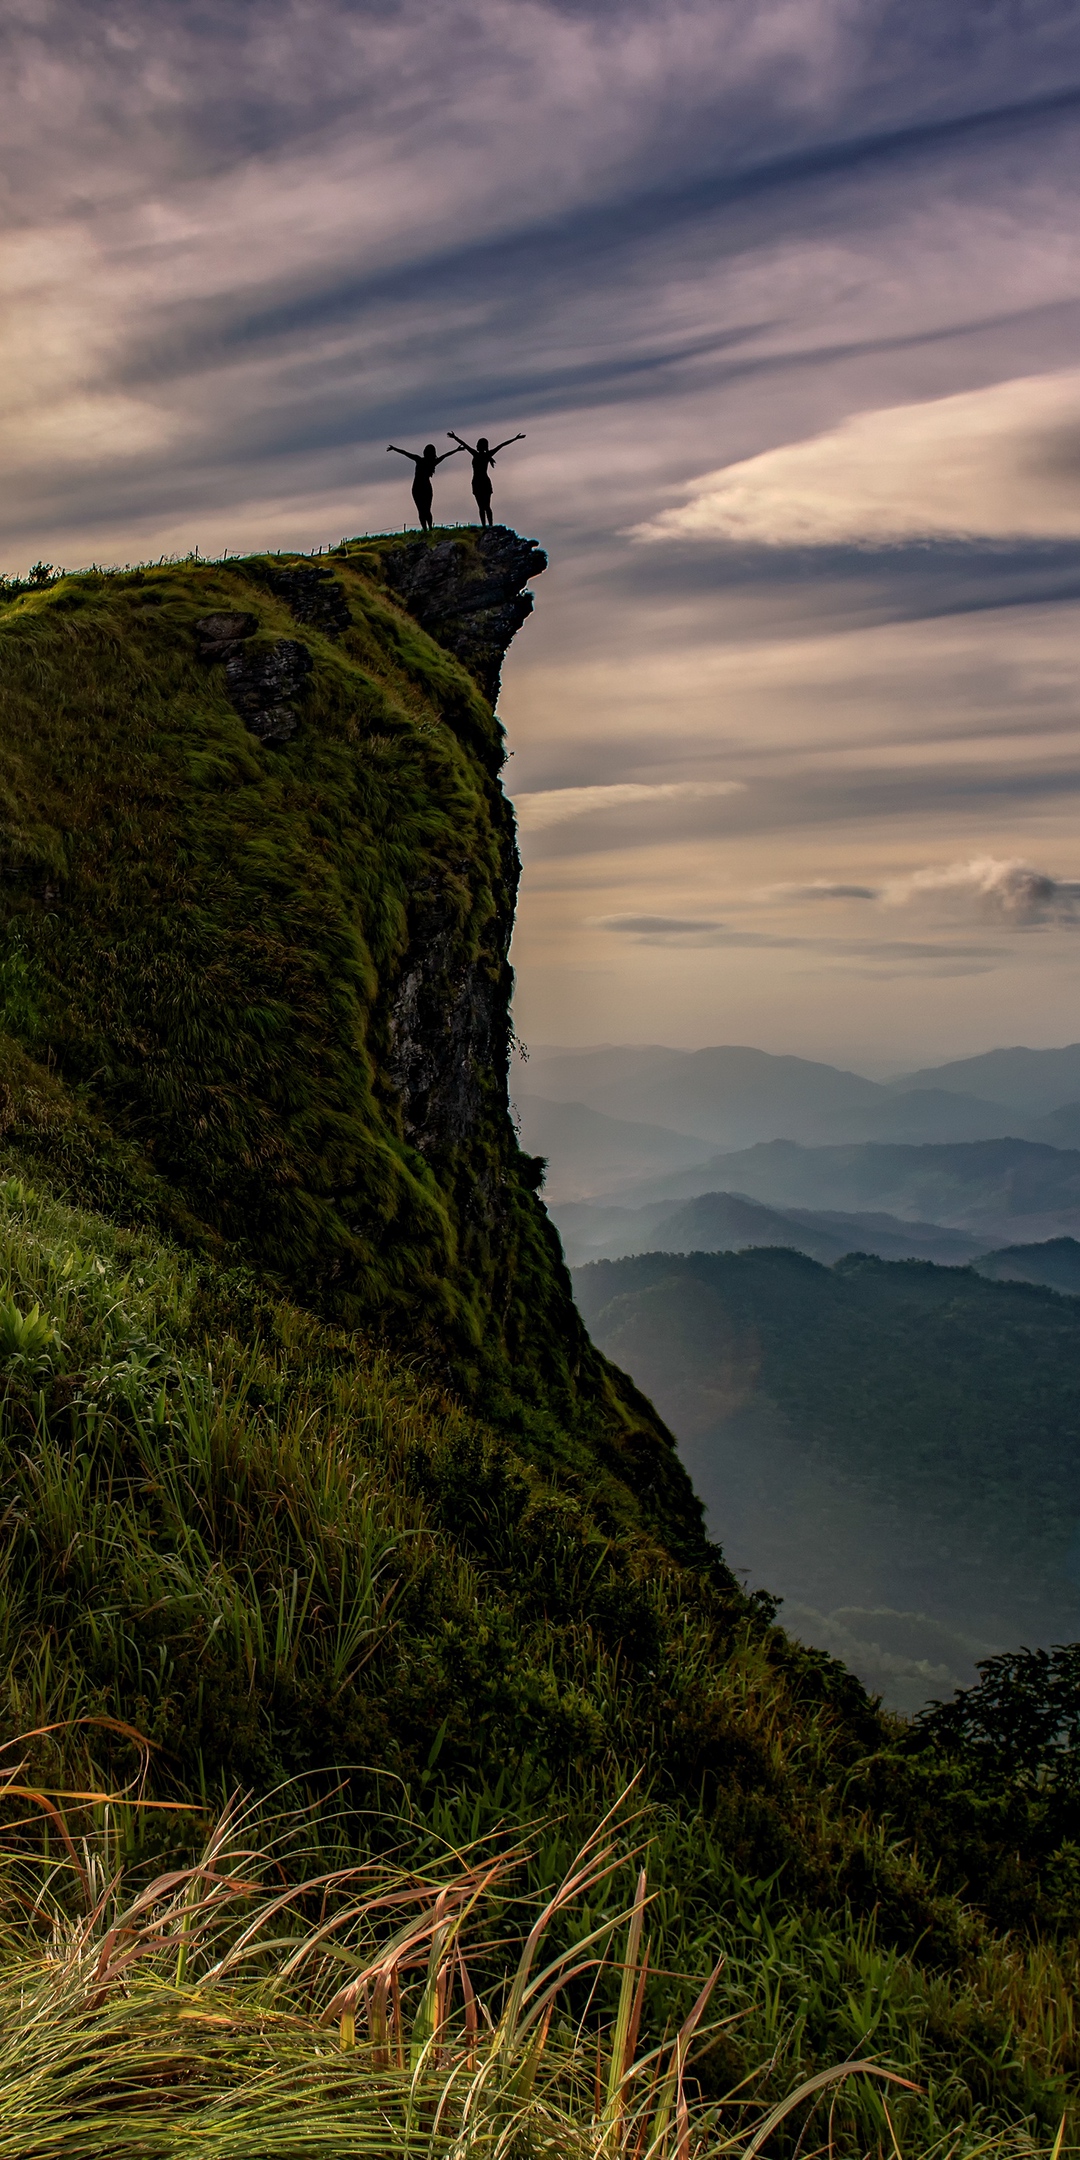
(211, 2008)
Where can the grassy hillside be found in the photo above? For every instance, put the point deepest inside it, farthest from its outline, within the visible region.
(308, 1470)
(273, 967)
(277, 1554)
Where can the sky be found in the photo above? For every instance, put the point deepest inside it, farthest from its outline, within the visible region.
(785, 295)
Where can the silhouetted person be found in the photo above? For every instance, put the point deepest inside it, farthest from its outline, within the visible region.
(483, 458)
(423, 467)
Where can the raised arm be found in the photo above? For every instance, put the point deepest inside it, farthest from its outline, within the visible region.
(452, 453)
(405, 453)
(506, 445)
(461, 443)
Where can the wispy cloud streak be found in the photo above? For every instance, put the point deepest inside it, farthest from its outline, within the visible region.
(807, 271)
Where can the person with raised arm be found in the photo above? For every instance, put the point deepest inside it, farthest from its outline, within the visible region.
(483, 458)
(424, 464)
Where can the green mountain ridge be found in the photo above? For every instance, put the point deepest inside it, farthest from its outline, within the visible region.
(871, 1434)
(308, 1467)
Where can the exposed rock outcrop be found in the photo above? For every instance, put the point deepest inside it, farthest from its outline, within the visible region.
(468, 594)
(264, 685)
(263, 682)
(310, 592)
(449, 1030)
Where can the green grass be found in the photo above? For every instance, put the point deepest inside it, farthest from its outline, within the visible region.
(279, 1553)
(367, 2008)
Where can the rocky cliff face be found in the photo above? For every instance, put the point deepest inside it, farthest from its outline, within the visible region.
(450, 1024)
(257, 886)
(469, 594)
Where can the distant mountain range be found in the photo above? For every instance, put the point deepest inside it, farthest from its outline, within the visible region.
(949, 1204)
(894, 1449)
(893, 1441)
(1000, 1190)
(729, 1222)
(1030, 1080)
(588, 1152)
(732, 1098)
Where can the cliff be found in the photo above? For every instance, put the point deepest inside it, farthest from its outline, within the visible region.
(257, 886)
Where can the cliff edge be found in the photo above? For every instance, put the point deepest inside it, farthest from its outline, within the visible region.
(257, 887)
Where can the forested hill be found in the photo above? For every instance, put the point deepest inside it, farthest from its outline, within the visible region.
(874, 1434)
(308, 1468)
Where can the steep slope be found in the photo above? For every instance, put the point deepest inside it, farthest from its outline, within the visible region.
(257, 886)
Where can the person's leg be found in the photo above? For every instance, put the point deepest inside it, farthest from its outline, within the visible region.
(482, 498)
(422, 497)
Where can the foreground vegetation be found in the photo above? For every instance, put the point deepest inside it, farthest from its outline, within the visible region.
(278, 1554)
(209, 2010)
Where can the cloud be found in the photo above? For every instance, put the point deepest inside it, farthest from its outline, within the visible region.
(997, 463)
(554, 806)
(990, 887)
(1005, 891)
(985, 889)
(701, 930)
(658, 925)
(820, 889)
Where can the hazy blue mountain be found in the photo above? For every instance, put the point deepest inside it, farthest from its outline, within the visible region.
(732, 1096)
(594, 1230)
(583, 1075)
(1030, 1080)
(892, 1446)
(890, 1237)
(728, 1096)
(591, 1154)
(1060, 1127)
(920, 1116)
(902, 1656)
(1055, 1263)
(729, 1222)
(1002, 1191)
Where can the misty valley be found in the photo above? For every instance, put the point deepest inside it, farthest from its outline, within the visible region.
(867, 1347)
